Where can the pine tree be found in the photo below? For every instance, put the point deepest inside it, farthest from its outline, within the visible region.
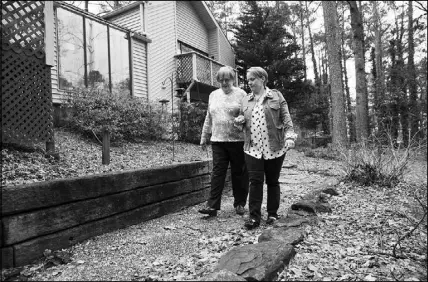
(262, 40)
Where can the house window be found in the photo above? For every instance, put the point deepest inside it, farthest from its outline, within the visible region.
(97, 55)
(186, 48)
(71, 66)
(73, 47)
(119, 62)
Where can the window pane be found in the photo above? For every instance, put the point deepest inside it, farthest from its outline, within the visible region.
(70, 50)
(97, 55)
(119, 62)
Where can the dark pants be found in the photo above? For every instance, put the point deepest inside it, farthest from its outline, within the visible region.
(223, 154)
(257, 169)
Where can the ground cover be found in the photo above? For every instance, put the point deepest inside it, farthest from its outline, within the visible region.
(356, 241)
(78, 157)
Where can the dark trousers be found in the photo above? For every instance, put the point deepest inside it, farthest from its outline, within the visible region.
(223, 154)
(257, 169)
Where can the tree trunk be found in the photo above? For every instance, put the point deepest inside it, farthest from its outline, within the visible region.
(349, 113)
(334, 57)
(362, 112)
(393, 90)
(413, 94)
(314, 62)
(380, 106)
(303, 36)
(399, 81)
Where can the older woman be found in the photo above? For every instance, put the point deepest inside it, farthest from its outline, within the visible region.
(269, 133)
(227, 143)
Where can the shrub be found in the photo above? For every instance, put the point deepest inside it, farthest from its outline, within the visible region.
(127, 118)
(192, 121)
(371, 163)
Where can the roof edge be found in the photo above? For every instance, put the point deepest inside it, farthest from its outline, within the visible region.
(122, 9)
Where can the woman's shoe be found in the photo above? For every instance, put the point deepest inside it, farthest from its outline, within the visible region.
(271, 219)
(252, 223)
(240, 210)
(209, 211)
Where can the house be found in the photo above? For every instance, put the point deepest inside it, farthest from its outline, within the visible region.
(90, 52)
(187, 48)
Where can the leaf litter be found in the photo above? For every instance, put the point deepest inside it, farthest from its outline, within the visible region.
(353, 242)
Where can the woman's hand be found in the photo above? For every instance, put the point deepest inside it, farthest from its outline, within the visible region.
(289, 144)
(239, 119)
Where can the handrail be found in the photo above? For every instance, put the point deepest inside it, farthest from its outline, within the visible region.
(189, 68)
(200, 55)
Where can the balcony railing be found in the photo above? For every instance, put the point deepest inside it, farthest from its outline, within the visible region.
(193, 66)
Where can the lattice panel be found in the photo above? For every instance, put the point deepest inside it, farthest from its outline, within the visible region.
(216, 67)
(23, 27)
(203, 70)
(26, 99)
(184, 68)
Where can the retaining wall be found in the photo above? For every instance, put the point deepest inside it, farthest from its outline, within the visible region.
(57, 214)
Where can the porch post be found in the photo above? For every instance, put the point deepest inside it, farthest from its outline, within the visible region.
(211, 72)
(195, 74)
(49, 32)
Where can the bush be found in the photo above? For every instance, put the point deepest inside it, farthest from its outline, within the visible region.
(192, 121)
(371, 163)
(127, 118)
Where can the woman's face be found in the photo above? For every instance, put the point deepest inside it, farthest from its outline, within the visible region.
(226, 84)
(256, 83)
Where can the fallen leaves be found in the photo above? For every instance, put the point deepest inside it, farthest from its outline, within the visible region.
(355, 241)
(79, 157)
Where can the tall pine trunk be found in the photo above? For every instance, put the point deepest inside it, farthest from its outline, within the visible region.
(334, 58)
(302, 25)
(380, 105)
(362, 113)
(413, 95)
(311, 42)
(349, 113)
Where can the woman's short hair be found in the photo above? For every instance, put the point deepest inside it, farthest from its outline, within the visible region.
(259, 72)
(225, 72)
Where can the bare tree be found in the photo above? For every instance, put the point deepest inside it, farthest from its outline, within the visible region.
(311, 41)
(334, 58)
(380, 106)
(413, 94)
(362, 113)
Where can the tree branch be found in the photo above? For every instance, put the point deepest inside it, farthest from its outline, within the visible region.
(407, 235)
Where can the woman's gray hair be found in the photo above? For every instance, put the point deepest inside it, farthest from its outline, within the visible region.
(225, 72)
(259, 72)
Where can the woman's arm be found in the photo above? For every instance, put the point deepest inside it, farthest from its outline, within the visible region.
(286, 119)
(207, 127)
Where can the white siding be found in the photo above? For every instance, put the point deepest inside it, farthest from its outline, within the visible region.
(129, 19)
(139, 68)
(190, 28)
(161, 61)
(213, 43)
(227, 56)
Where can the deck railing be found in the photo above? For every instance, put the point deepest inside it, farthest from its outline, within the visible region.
(193, 66)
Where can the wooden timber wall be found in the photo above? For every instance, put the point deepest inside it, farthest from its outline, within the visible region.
(57, 214)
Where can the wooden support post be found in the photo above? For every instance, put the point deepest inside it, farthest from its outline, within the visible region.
(50, 149)
(106, 146)
(211, 73)
(194, 67)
